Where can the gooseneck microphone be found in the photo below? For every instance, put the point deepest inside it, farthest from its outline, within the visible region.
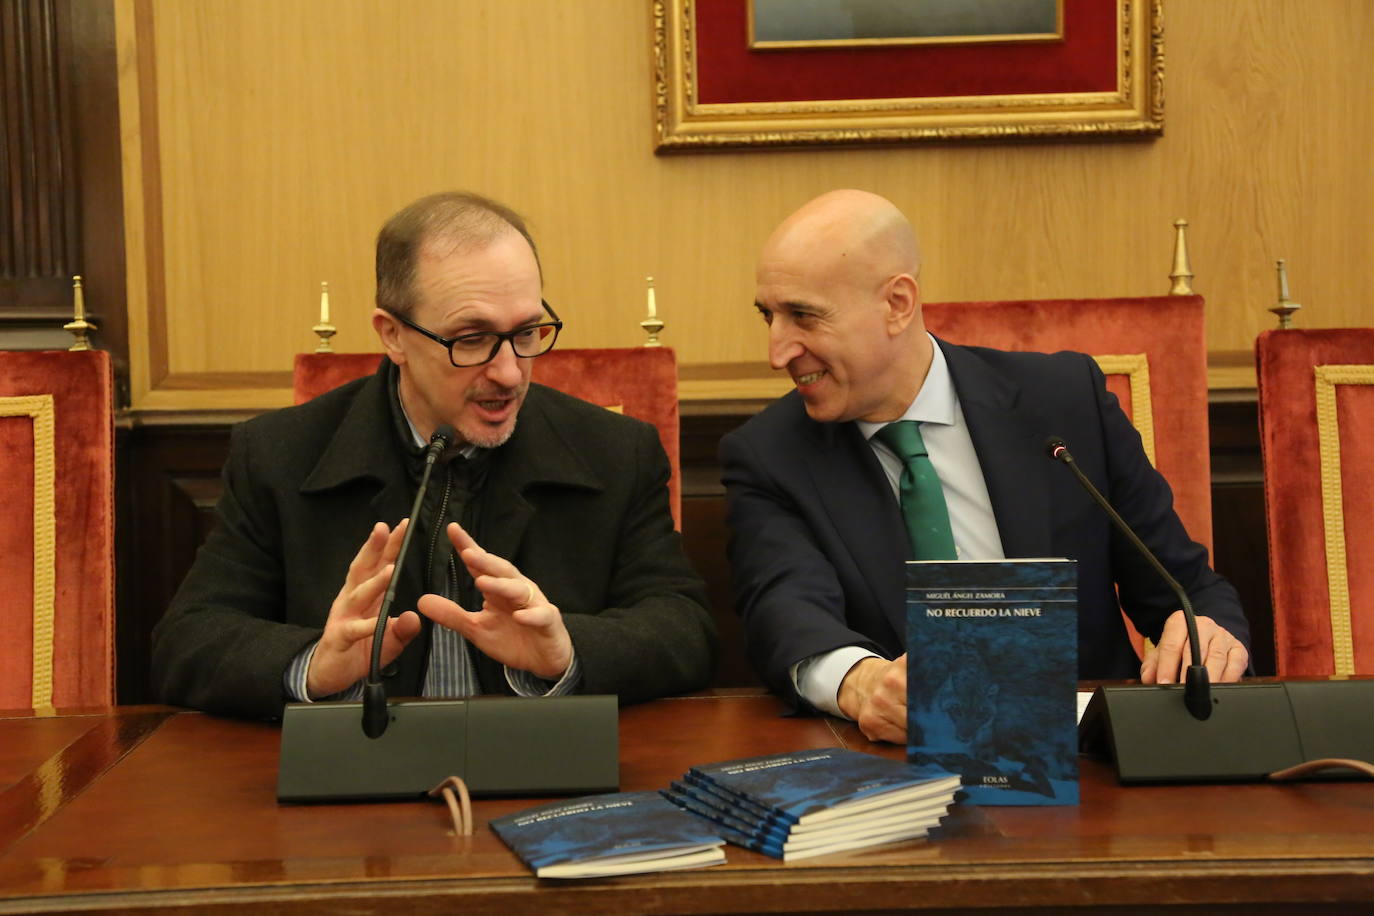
(1197, 693)
(375, 717)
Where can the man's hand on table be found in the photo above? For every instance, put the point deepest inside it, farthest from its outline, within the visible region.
(1167, 662)
(873, 694)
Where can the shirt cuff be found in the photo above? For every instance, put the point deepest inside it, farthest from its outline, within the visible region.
(294, 680)
(817, 678)
(526, 684)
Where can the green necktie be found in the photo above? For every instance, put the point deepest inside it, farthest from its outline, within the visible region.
(923, 502)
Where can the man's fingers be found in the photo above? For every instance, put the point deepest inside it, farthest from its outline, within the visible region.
(1149, 665)
(1171, 649)
(459, 537)
(516, 592)
(481, 563)
(883, 714)
(1171, 662)
(392, 548)
(541, 615)
(1226, 658)
(399, 632)
(365, 597)
(365, 560)
(445, 612)
(350, 631)
(478, 561)
(1237, 660)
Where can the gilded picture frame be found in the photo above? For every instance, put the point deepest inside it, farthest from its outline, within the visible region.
(1105, 79)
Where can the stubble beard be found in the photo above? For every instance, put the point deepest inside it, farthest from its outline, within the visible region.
(481, 434)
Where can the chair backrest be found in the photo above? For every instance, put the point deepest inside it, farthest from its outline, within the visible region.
(1153, 351)
(57, 529)
(1316, 405)
(640, 382)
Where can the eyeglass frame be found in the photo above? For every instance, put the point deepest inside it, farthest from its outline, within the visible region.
(501, 336)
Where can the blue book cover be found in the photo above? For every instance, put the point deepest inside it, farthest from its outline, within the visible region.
(615, 834)
(817, 786)
(992, 667)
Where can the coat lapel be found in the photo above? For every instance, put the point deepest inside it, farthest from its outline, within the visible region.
(538, 454)
(1009, 451)
(355, 453)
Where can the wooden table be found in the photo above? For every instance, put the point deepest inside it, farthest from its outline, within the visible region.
(153, 809)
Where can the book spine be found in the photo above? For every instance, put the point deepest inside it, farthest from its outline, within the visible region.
(717, 816)
(729, 796)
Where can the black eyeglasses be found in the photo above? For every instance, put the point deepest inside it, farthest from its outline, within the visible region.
(468, 350)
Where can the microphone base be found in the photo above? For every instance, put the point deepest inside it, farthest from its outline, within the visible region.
(498, 745)
(1255, 729)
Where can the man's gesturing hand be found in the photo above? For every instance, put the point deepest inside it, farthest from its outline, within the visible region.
(344, 652)
(873, 694)
(517, 626)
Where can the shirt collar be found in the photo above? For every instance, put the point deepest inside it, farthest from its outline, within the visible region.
(465, 450)
(935, 402)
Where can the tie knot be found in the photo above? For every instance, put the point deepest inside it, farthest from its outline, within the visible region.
(904, 438)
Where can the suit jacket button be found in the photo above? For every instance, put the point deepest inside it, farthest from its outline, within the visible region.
(391, 670)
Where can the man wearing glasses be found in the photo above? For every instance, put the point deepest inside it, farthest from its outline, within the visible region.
(545, 561)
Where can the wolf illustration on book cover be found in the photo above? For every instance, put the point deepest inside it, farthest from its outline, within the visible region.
(992, 656)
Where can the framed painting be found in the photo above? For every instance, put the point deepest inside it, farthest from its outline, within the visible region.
(742, 73)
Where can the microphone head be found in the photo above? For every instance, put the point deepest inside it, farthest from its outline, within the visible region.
(444, 433)
(1056, 447)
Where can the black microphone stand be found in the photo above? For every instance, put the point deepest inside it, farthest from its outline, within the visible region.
(1246, 731)
(375, 716)
(1197, 694)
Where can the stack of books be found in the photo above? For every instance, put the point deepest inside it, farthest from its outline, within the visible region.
(810, 803)
(622, 833)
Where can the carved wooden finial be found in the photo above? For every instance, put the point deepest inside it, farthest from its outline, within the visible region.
(652, 325)
(1284, 309)
(79, 326)
(1183, 271)
(324, 329)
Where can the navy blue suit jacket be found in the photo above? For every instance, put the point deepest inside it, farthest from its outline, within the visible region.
(817, 542)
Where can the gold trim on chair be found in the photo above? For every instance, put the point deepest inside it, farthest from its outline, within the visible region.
(39, 407)
(1136, 368)
(1333, 513)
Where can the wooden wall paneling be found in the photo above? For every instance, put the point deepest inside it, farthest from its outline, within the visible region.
(38, 241)
(89, 48)
(273, 139)
(169, 481)
(61, 213)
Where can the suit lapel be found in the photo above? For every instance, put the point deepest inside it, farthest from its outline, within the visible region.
(858, 500)
(1009, 451)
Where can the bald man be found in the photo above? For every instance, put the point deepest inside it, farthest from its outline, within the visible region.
(817, 537)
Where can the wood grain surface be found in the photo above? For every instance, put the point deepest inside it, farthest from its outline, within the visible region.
(266, 141)
(187, 819)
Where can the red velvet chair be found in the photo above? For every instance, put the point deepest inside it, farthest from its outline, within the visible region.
(1153, 351)
(640, 382)
(57, 535)
(1316, 402)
